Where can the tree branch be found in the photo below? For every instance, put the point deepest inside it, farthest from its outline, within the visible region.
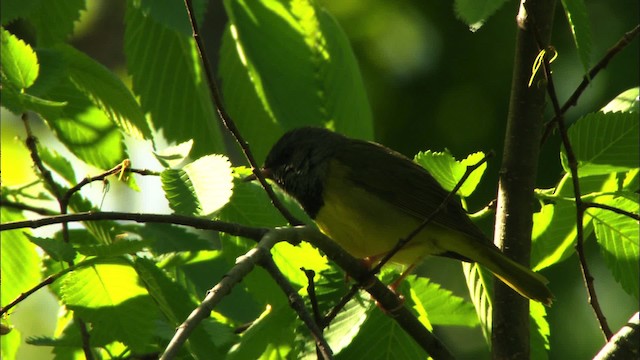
(510, 335)
(624, 344)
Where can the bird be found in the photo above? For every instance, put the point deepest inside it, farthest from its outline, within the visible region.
(365, 197)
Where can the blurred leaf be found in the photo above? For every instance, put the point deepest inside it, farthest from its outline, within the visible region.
(175, 303)
(117, 248)
(97, 232)
(448, 171)
(576, 11)
(106, 92)
(11, 341)
(301, 65)
(628, 101)
(20, 262)
(13, 9)
(173, 14)
(474, 13)
(167, 238)
(539, 330)
(270, 336)
(58, 250)
(170, 82)
(604, 143)
(54, 20)
(109, 295)
(212, 181)
(618, 237)
(20, 102)
(480, 285)
(19, 62)
(56, 162)
(440, 305)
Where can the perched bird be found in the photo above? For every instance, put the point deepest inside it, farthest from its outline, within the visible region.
(366, 197)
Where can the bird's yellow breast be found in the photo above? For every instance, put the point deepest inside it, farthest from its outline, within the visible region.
(367, 226)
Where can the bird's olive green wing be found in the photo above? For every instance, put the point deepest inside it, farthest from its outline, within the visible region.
(404, 184)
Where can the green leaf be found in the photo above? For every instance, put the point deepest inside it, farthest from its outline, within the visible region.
(20, 263)
(11, 341)
(382, 338)
(480, 285)
(576, 11)
(618, 238)
(243, 103)
(539, 330)
(13, 9)
(301, 65)
(106, 92)
(440, 305)
(628, 101)
(170, 82)
(346, 325)
(605, 143)
(212, 182)
(57, 249)
(448, 171)
(21, 102)
(54, 20)
(474, 13)
(19, 62)
(110, 297)
(179, 191)
(175, 303)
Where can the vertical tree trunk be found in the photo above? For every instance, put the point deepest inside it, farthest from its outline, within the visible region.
(510, 335)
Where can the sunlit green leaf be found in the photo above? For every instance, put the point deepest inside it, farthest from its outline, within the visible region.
(540, 331)
(179, 191)
(301, 65)
(618, 237)
(58, 250)
(441, 306)
(110, 295)
(212, 181)
(605, 143)
(480, 285)
(448, 171)
(19, 62)
(628, 101)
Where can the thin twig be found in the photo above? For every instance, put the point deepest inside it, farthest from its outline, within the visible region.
(614, 209)
(313, 299)
(580, 208)
(297, 304)
(56, 190)
(587, 78)
(228, 123)
(21, 206)
(122, 168)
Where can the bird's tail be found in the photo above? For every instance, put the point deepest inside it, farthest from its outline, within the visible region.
(521, 279)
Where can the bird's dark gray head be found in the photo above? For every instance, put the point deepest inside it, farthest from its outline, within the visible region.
(298, 163)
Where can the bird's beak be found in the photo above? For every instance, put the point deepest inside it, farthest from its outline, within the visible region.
(266, 173)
